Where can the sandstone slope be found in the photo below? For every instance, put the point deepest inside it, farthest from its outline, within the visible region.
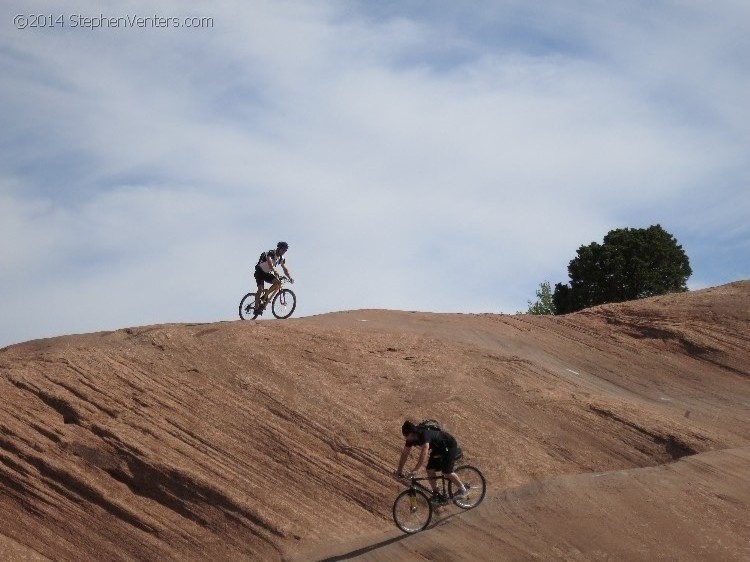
(271, 440)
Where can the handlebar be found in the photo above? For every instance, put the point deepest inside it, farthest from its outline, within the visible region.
(405, 476)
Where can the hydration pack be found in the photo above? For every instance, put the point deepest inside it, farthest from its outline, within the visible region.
(429, 424)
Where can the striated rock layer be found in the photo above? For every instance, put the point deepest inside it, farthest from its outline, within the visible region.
(275, 439)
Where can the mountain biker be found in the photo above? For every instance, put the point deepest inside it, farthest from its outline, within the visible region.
(265, 272)
(442, 450)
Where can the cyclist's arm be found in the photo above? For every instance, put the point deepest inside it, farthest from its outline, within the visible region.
(273, 268)
(404, 457)
(423, 455)
(286, 271)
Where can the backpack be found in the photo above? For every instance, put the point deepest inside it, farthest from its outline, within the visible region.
(446, 442)
(269, 256)
(429, 424)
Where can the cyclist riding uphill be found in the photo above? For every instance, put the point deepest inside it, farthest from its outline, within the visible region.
(265, 271)
(439, 450)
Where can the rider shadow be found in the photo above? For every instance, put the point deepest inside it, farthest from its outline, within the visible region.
(370, 548)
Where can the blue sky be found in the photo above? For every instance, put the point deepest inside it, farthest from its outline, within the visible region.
(416, 155)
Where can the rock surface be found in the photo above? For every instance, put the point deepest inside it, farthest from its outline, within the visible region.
(619, 432)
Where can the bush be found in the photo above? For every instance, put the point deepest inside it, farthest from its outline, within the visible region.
(632, 263)
(543, 304)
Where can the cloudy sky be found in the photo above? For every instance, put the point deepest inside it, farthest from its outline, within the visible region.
(420, 155)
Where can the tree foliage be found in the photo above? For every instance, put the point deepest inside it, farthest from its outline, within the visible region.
(543, 303)
(631, 263)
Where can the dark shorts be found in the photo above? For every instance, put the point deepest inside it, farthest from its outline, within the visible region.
(444, 461)
(261, 276)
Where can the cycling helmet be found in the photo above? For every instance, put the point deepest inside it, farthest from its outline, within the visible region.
(283, 245)
(408, 428)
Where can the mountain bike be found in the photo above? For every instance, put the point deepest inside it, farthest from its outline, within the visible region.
(412, 510)
(283, 302)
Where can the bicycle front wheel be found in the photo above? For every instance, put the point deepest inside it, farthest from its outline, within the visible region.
(475, 485)
(283, 304)
(412, 511)
(247, 307)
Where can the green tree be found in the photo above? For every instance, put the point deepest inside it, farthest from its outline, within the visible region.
(543, 303)
(632, 263)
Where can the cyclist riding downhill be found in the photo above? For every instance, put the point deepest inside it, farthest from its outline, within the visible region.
(265, 272)
(438, 449)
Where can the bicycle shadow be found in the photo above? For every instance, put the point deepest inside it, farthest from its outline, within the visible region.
(372, 547)
(364, 549)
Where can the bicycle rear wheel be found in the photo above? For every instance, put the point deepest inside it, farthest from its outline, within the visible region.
(247, 307)
(412, 511)
(475, 484)
(283, 304)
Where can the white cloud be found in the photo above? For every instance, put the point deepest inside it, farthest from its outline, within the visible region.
(449, 158)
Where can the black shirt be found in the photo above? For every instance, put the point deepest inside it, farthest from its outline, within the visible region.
(440, 441)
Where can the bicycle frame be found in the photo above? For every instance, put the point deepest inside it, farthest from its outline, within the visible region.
(268, 296)
(416, 483)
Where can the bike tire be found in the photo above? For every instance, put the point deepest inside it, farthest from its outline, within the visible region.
(412, 511)
(283, 304)
(247, 307)
(474, 480)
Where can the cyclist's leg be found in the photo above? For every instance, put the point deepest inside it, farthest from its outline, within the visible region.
(261, 277)
(453, 477)
(448, 465)
(275, 286)
(433, 480)
(433, 465)
(259, 283)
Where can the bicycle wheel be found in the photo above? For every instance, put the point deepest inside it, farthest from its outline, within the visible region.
(247, 307)
(475, 486)
(283, 304)
(412, 511)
